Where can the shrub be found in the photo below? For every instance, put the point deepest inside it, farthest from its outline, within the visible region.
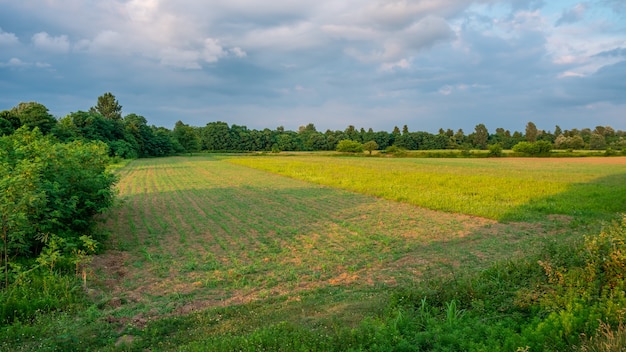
(495, 150)
(395, 150)
(349, 146)
(533, 148)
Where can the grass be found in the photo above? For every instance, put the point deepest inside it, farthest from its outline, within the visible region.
(500, 189)
(207, 253)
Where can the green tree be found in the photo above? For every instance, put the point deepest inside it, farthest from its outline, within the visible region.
(481, 136)
(216, 136)
(370, 146)
(9, 122)
(108, 107)
(33, 115)
(531, 132)
(597, 141)
(352, 133)
(187, 136)
(557, 131)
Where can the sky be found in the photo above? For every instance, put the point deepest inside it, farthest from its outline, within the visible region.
(427, 64)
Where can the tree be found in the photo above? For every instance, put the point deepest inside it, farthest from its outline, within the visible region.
(481, 136)
(557, 131)
(531, 132)
(352, 133)
(9, 122)
(216, 136)
(370, 146)
(33, 115)
(187, 137)
(597, 141)
(108, 107)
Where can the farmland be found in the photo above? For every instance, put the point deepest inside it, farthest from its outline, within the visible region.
(222, 250)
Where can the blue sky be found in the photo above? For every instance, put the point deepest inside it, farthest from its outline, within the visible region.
(428, 64)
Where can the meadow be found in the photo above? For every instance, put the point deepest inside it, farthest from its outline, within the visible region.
(273, 252)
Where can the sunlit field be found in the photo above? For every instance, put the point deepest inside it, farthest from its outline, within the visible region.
(500, 189)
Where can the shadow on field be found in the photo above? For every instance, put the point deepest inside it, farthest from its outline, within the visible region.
(600, 199)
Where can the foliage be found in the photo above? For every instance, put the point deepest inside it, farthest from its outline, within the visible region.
(370, 146)
(108, 106)
(187, 137)
(51, 189)
(480, 136)
(495, 150)
(34, 115)
(533, 148)
(349, 146)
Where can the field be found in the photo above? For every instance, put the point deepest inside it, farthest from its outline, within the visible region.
(205, 250)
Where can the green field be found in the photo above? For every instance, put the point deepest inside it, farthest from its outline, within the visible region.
(222, 252)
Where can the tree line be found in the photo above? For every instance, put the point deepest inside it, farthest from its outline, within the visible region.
(131, 136)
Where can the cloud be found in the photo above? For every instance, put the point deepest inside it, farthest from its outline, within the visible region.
(44, 41)
(391, 66)
(14, 62)
(391, 47)
(572, 15)
(17, 63)
(212, 51)
(394, 14)
(238, 52)
(426, 63)
(7, 38)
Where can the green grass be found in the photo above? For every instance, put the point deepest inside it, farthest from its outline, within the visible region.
(501, 189)
(207, 253)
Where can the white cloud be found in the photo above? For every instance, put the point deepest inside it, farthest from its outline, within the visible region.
(238, 52)
(570, 74)
(18, 63)
(401, 13)
(43, 40)
(401, 64)
(14, 63)
(7, 38)
(212, 51)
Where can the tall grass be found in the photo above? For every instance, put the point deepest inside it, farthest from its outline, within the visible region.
(502, 189)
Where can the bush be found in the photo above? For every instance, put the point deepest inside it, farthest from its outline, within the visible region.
(533, 148)
(395, 150)
(495, 150)
(349, 146)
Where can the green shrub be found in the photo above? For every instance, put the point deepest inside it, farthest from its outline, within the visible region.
(533, 148)
(495, 150)
(349, 146)
(395, 150)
